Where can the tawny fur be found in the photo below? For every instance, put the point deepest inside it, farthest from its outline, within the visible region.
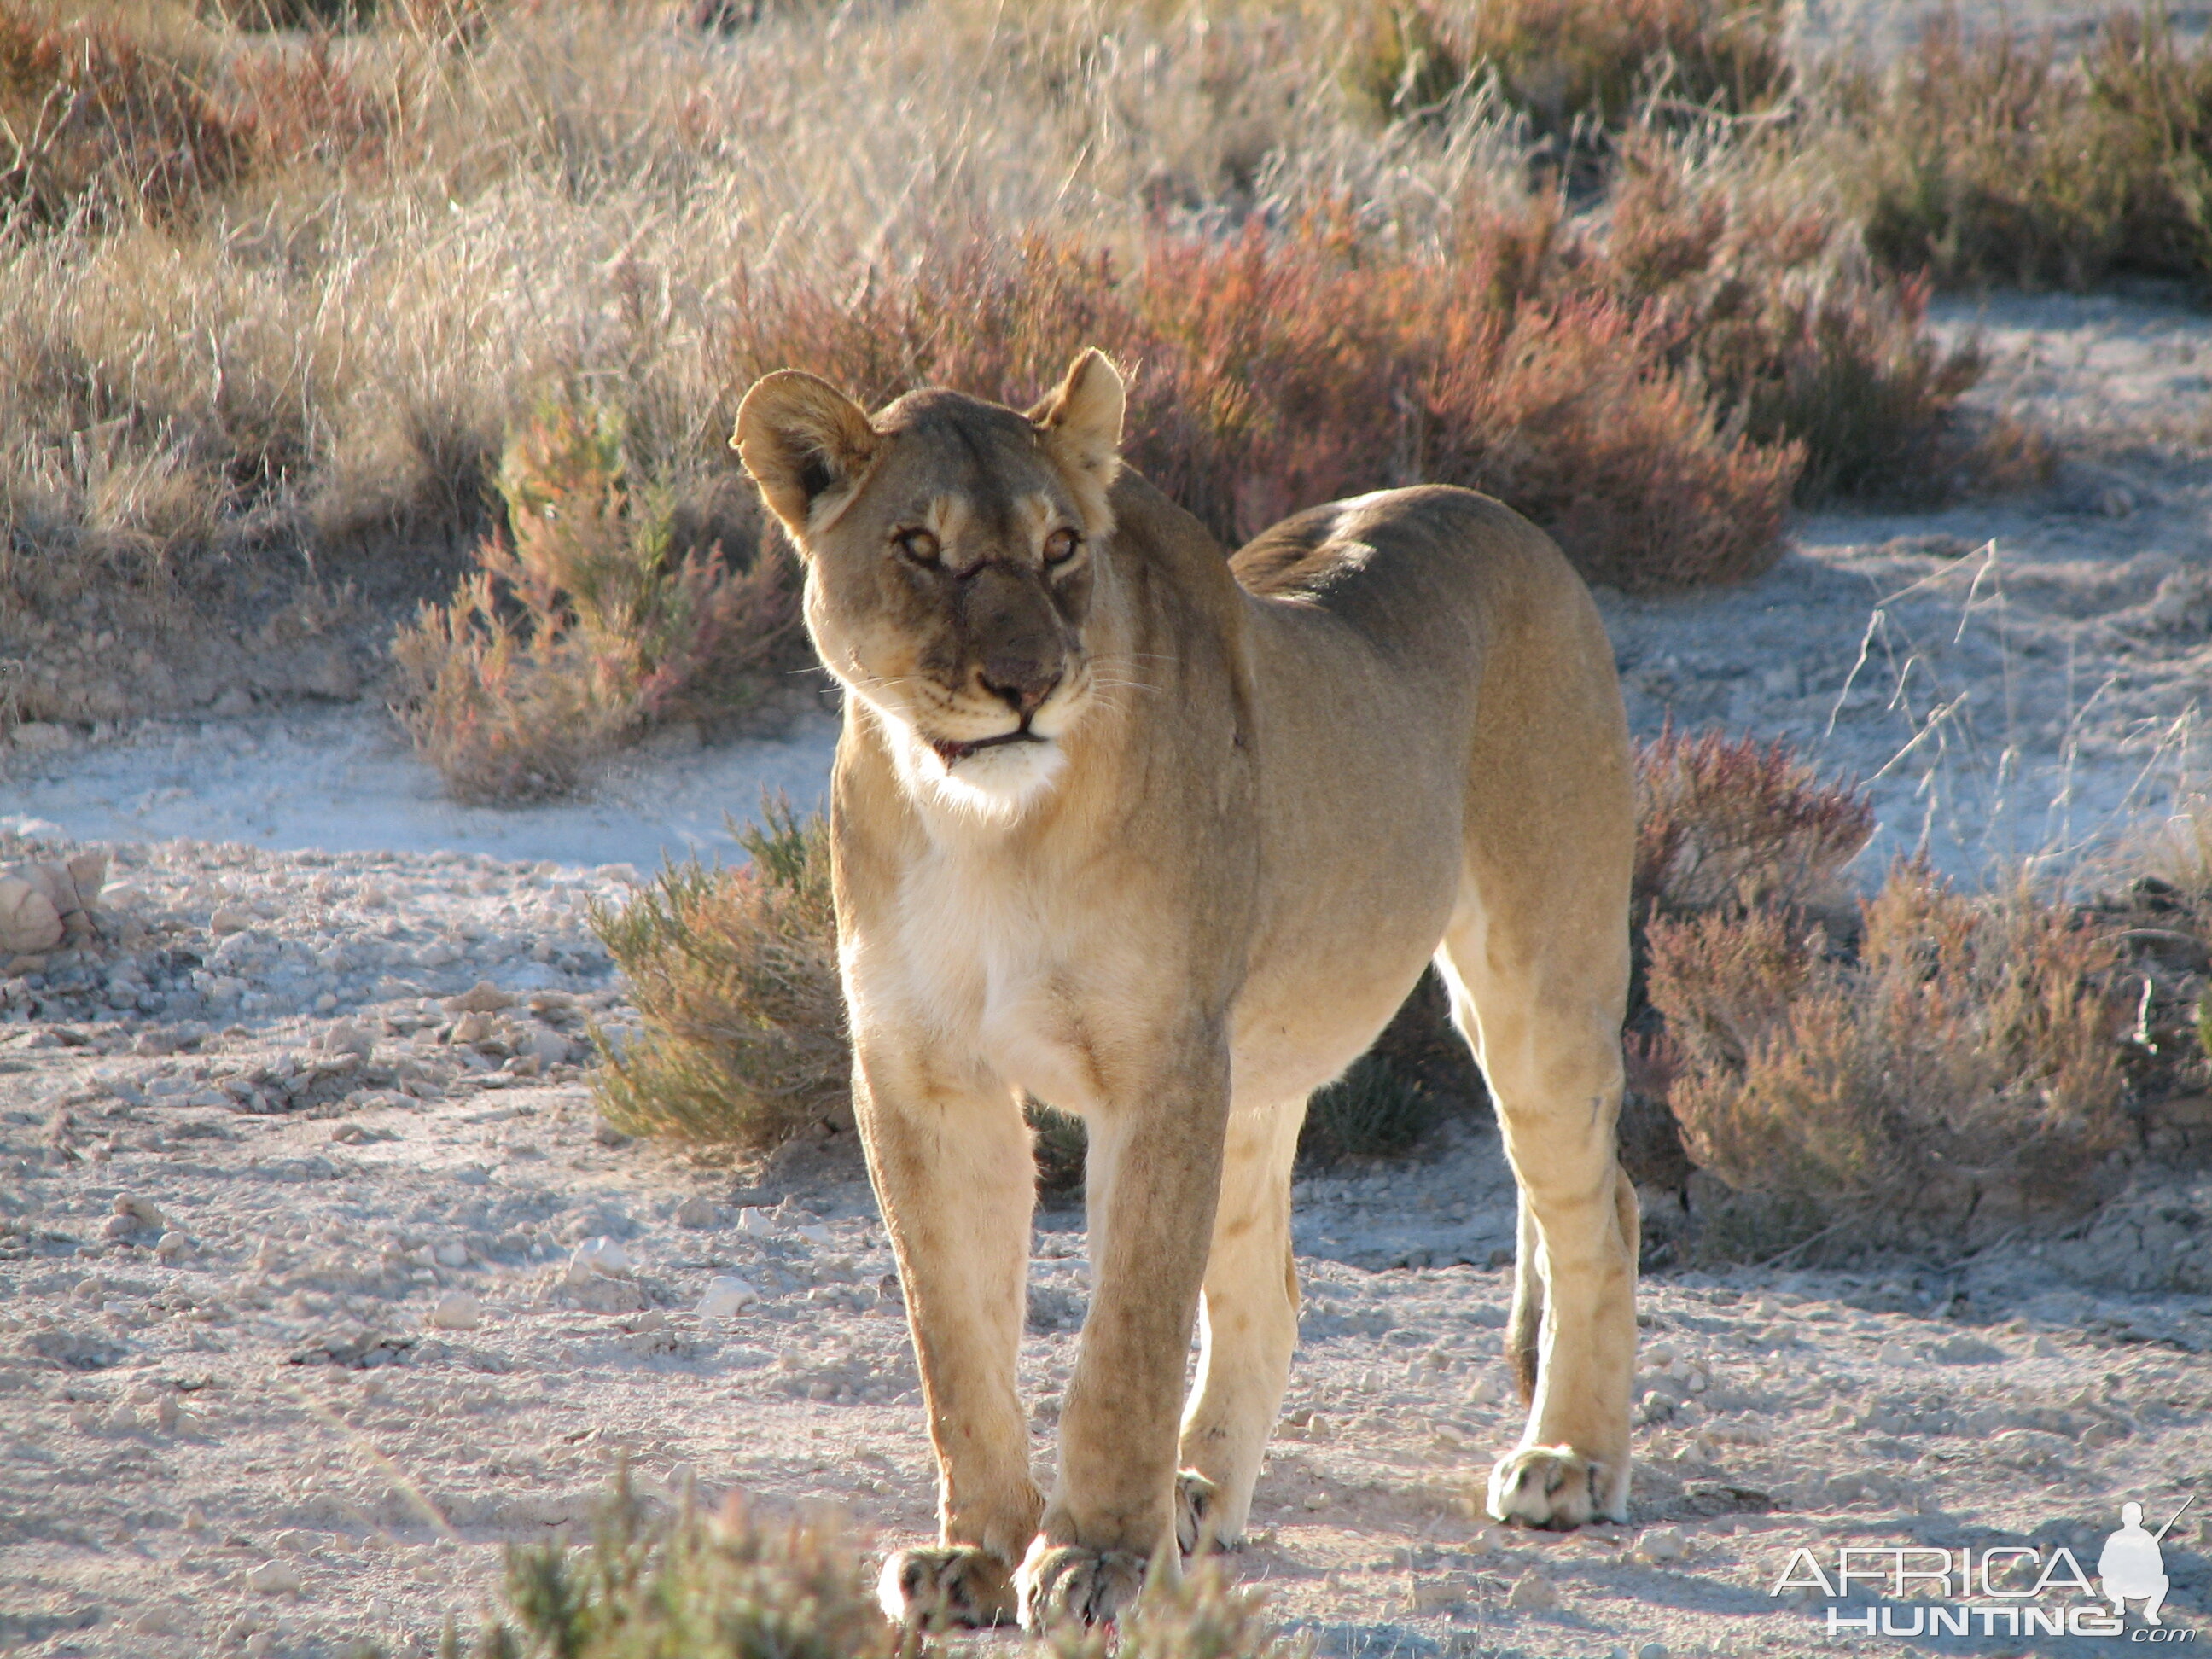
(1245, 802)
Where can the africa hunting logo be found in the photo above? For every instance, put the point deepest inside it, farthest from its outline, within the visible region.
(2006, 1591)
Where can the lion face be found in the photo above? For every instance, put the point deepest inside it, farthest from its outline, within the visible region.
(951, 549)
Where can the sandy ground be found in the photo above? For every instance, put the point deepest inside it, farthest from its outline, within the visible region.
(230, 1422)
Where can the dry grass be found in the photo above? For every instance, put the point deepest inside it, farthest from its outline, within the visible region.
(1961, 1070)
(270, 302)
(734, 973)
(603, 608)
(1986, 157)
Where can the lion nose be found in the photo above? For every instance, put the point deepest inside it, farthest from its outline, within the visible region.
(1024, 684)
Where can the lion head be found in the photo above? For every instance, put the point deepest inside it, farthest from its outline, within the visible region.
(950, 546)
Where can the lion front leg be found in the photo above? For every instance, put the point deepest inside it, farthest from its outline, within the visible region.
(952, 1173)
(1153, 1179)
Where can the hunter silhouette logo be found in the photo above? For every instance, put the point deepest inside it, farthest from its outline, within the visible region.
(2132, 1567)
(2003, 1591)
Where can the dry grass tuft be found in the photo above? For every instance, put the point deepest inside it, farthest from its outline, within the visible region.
(588, 620)
(1961, 1071)
(734, 973)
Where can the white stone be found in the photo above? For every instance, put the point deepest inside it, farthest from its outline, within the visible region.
(815, 1234)
(1895, 1353)
(273, 1578)
(456, 1311)
(452, 1255)
(598, 1258)
(1660, 1544)
(174, 1246)
(695, 1212)
(1652, 1651)
(229, 921)
(41, 734)
(756, 1221)
(726, 1297)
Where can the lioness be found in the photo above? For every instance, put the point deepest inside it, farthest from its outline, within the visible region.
(1164, 837)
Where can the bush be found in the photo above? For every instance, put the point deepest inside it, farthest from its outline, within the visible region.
(1279, 371)
(735, 975)
(1959, 1072)
(585, 622)
(1982, 158)
(739, 1586)
(1576, 70)
(1726, 824)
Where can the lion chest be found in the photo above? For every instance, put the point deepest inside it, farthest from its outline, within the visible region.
(1005, 970)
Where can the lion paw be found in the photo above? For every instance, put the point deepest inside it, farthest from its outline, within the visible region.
(946, 1585)
(1553, 1487)
(1198, 1504)
(1063, 1582)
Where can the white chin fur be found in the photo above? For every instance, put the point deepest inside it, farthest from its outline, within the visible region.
(992, 783)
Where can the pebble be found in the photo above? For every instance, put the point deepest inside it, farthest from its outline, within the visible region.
(695, 1212)
(1532, 1593)
(228, 921)
(598, 1258)
(273, 1578)
(482, 997)
(1894, 1353)
(756, 1221)
(140, 1212)
(726, 1297)
(174, 1246)
(1658, 1544)
(456, 1311)
(1652, 1651)
(813, 1235)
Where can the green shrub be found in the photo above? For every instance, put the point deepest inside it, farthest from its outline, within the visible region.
(741, 1586)
(734, 973)
(1371, 1111)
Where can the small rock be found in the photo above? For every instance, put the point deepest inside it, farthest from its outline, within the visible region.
(695, 1212)
(29, 921)
(726, 1297)
(144, 1212)
(452, 1255)
(273, 1578)
(546, 1046)
(118, 1227)
(471, 1028)
(606, 1134)
(228, 921)
(456, 1311)
(174, 1246)
(1895, 1353)
(2044, 1348)
(813, 1235)
(1660, 1545)
(1652, 1651)
(1532, 1593)
(482, 997)
(343, 1037)
(756, 1221)
(598, 1258)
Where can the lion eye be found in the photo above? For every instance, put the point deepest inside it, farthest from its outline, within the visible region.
(919, 545)
(1060, 546)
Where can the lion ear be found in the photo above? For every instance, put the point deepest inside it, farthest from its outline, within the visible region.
(807, 445)
(1081, 421)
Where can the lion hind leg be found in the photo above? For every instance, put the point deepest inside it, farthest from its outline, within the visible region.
(1548, 1039)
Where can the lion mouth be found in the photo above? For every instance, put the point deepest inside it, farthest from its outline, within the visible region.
(953, 753)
